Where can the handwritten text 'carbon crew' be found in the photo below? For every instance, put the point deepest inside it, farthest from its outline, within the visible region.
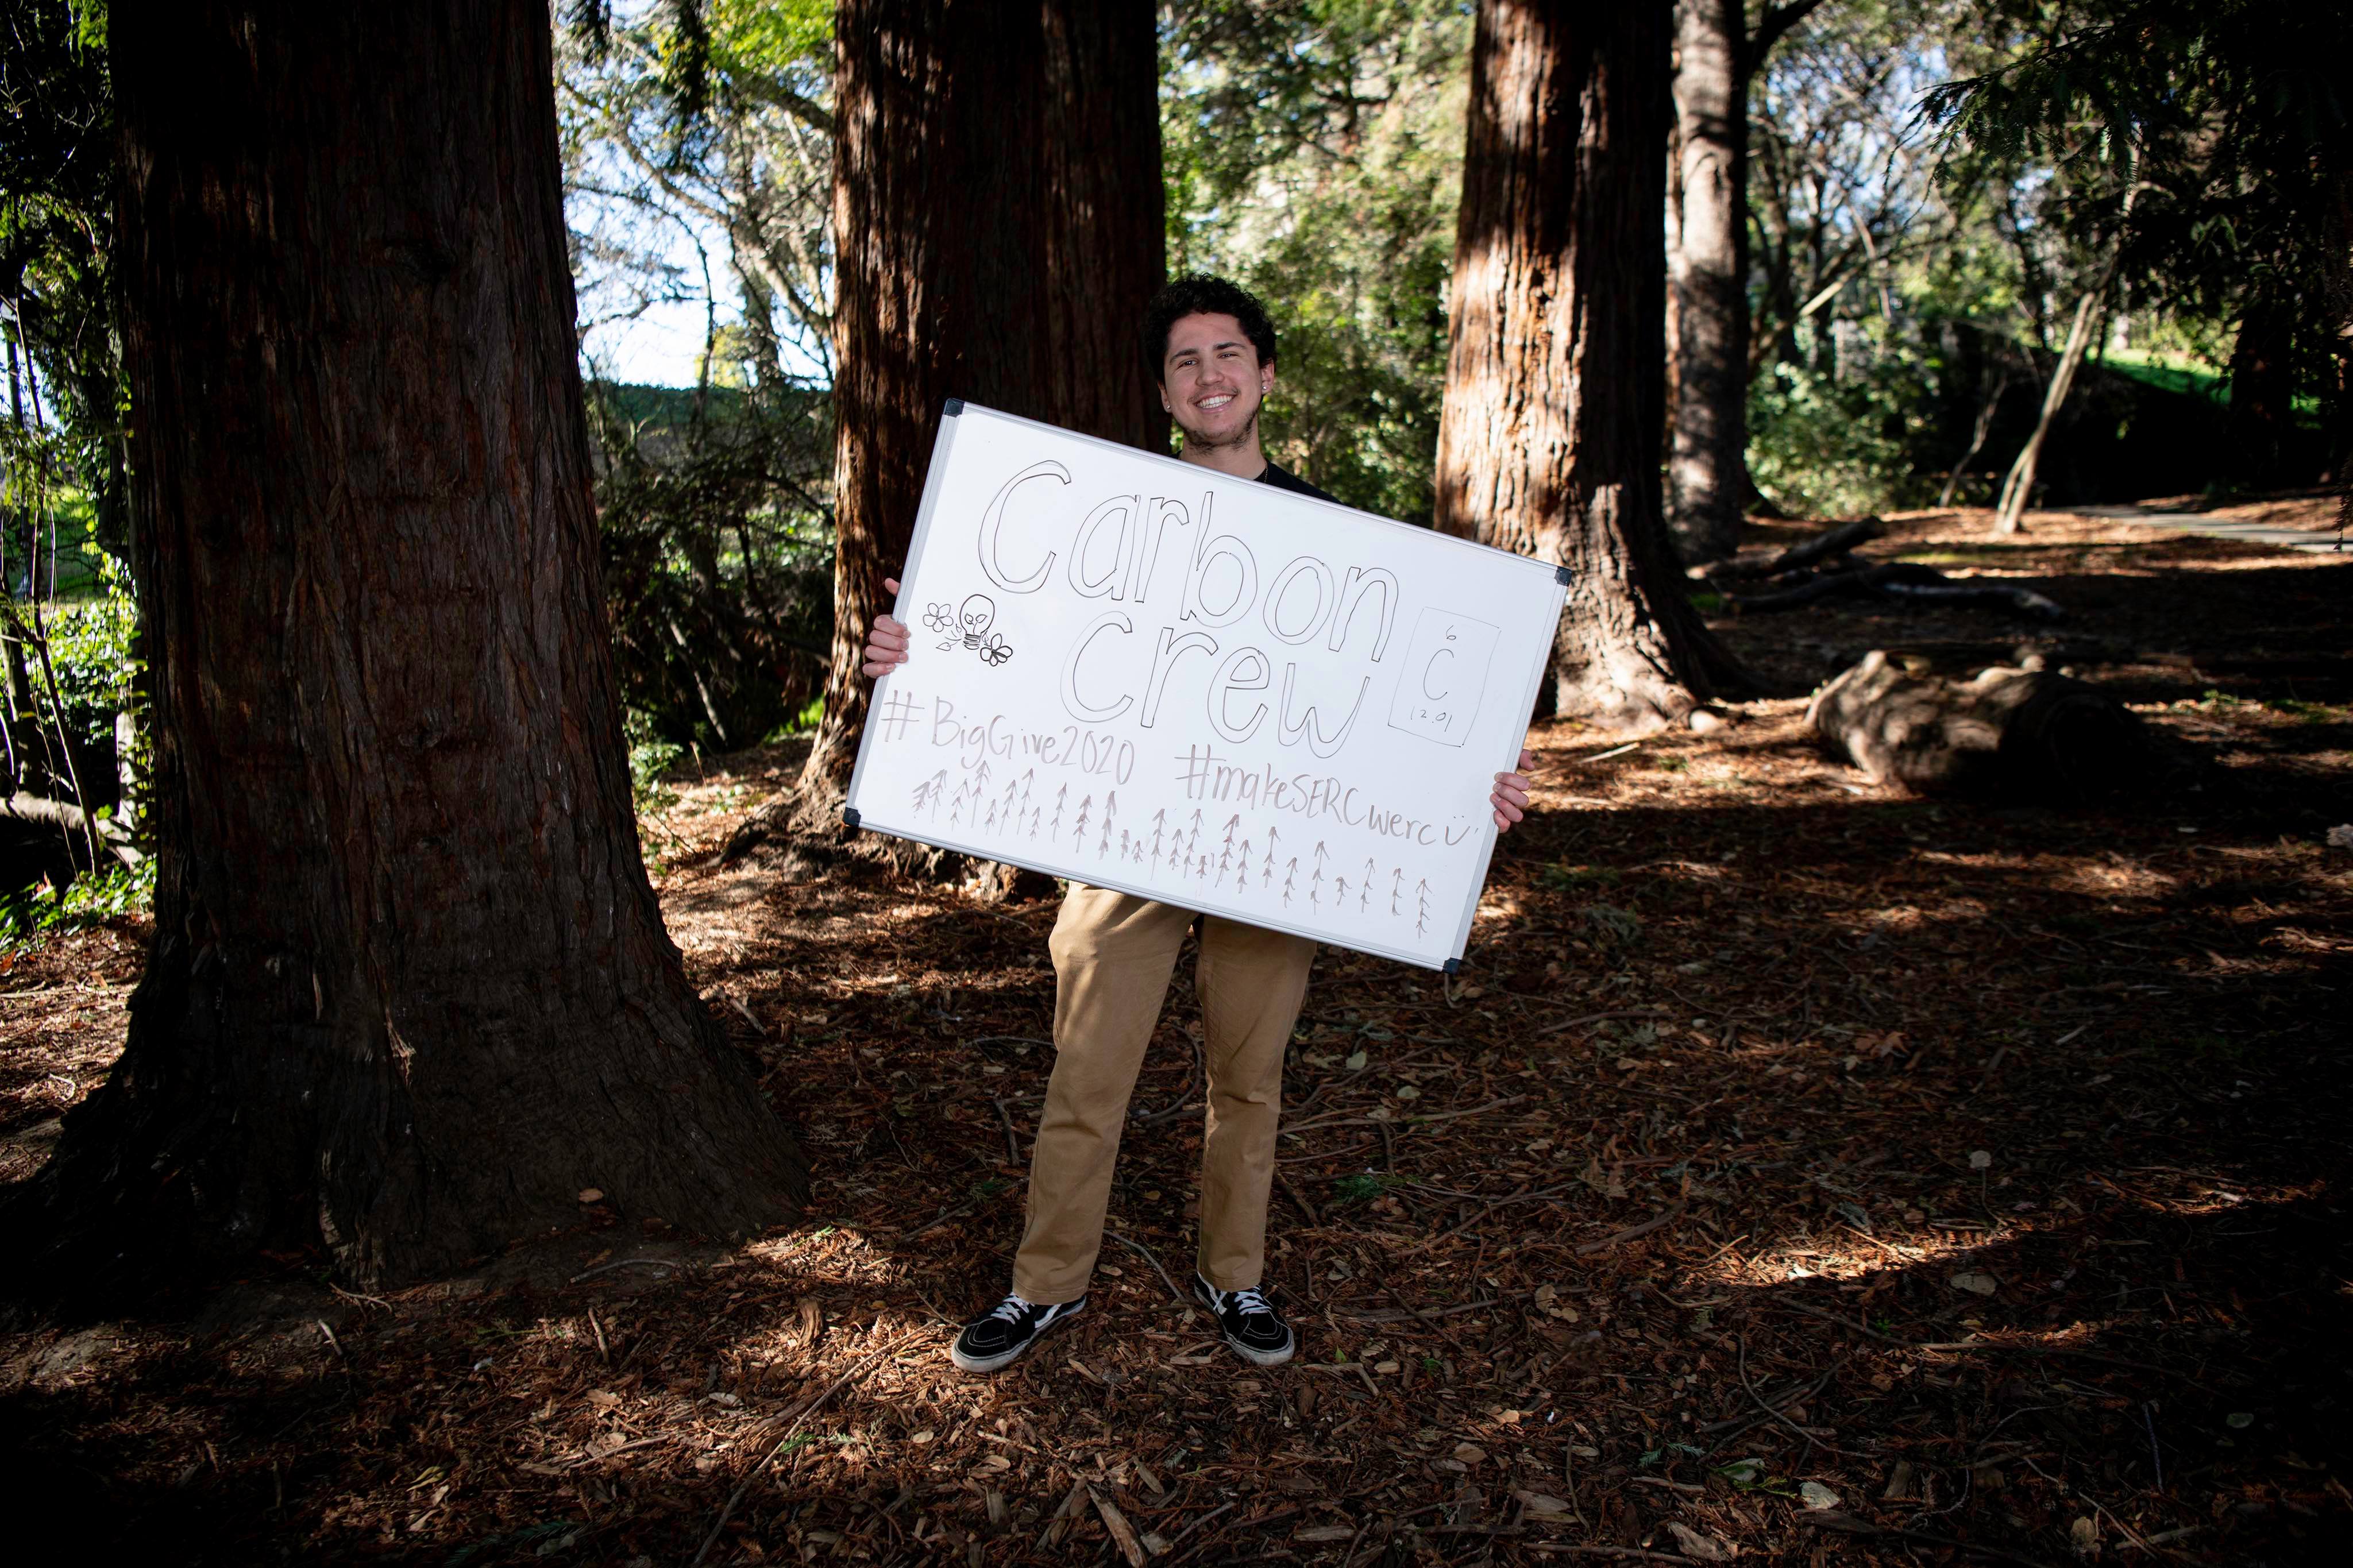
(1217, 566)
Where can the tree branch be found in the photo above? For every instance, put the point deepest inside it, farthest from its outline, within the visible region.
(1771, 30)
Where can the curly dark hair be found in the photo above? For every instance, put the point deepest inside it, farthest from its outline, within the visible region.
(1194, 294)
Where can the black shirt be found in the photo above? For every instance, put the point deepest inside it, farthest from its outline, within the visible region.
(1282, 478)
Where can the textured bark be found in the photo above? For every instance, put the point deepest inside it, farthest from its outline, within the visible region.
(1708, 274)
(1549, 440)
(997, 214)
(410, 992)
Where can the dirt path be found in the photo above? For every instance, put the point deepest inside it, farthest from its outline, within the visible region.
(2238, 531)
(1799, 1169)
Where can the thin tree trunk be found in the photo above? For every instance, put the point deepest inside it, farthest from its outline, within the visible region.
(1998, 386)
(409, 993)
(1709, 372)
(2262, 389)
(998, 213)
(1548, 444)
(2020, 484)
(1708, 278)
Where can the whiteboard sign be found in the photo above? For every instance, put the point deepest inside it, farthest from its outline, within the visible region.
(1142, 674)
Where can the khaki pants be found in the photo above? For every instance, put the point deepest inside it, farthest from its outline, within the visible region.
(1113, 954)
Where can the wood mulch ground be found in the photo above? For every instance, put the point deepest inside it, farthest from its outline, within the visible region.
(1800, 1172)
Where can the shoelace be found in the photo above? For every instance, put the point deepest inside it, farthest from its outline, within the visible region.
(1249, 1303)
(1011, 1309)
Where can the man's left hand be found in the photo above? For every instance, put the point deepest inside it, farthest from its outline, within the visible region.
(1510, 797)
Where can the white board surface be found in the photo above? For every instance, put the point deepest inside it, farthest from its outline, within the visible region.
(1142, 674)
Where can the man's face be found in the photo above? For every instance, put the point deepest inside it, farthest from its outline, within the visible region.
(1211, 381)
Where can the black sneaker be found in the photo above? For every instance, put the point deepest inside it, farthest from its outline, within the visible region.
(1252, 1326)
(990, 1342)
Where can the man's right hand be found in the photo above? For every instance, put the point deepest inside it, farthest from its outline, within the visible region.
(886, 641)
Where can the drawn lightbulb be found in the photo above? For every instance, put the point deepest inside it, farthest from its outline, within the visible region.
(977, 613)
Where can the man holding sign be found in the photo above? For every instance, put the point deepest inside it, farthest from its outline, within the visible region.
(1211, 349)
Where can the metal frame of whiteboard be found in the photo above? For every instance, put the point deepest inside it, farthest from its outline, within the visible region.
(951, 422)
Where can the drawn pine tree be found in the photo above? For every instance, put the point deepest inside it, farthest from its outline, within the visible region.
(1055, 827)
(1159, 819)
(1339, 892)
(1110, 807)
(1193, 843)
(1266, 872)
(1421, 913)
(1290, 877)
(1397, 890)
(1241, 867)
(1079, 839)
(1365, 888)
(928, 793)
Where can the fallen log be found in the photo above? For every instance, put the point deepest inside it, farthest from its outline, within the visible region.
(2010, 732)
(1893, 580)
(1821, 546)
(70, 819)
(2025, 601)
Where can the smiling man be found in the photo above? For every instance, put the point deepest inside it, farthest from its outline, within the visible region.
(1210, 347)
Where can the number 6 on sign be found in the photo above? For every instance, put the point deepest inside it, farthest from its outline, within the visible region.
(1445, 677)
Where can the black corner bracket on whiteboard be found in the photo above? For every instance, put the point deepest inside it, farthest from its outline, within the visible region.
(849, 814)
(1560, 575)
(954, 407)
(1453, 967)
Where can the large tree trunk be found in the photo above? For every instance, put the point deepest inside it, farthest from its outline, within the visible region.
(997, 214)
(410, 992)
(1549, 441)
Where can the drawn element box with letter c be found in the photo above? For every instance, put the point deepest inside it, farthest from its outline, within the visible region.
(1143, 674)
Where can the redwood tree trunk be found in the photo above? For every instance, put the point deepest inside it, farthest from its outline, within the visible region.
(998, 215)
(1555, 386)
(410, 991)
(1708, 272)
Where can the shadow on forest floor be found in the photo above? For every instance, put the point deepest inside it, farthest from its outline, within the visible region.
(1785, 1137)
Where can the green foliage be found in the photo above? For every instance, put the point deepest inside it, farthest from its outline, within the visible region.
(1363, 1187)
(88, 900)
(1612, 926)
(651, 757)
(1825, 444)
(1313, 152)
(2224, 129)
(754, 37)
(93, 648)
(57, 272)
(718, 555)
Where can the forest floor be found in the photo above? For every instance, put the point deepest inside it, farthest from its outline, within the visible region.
(1799, 1172)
